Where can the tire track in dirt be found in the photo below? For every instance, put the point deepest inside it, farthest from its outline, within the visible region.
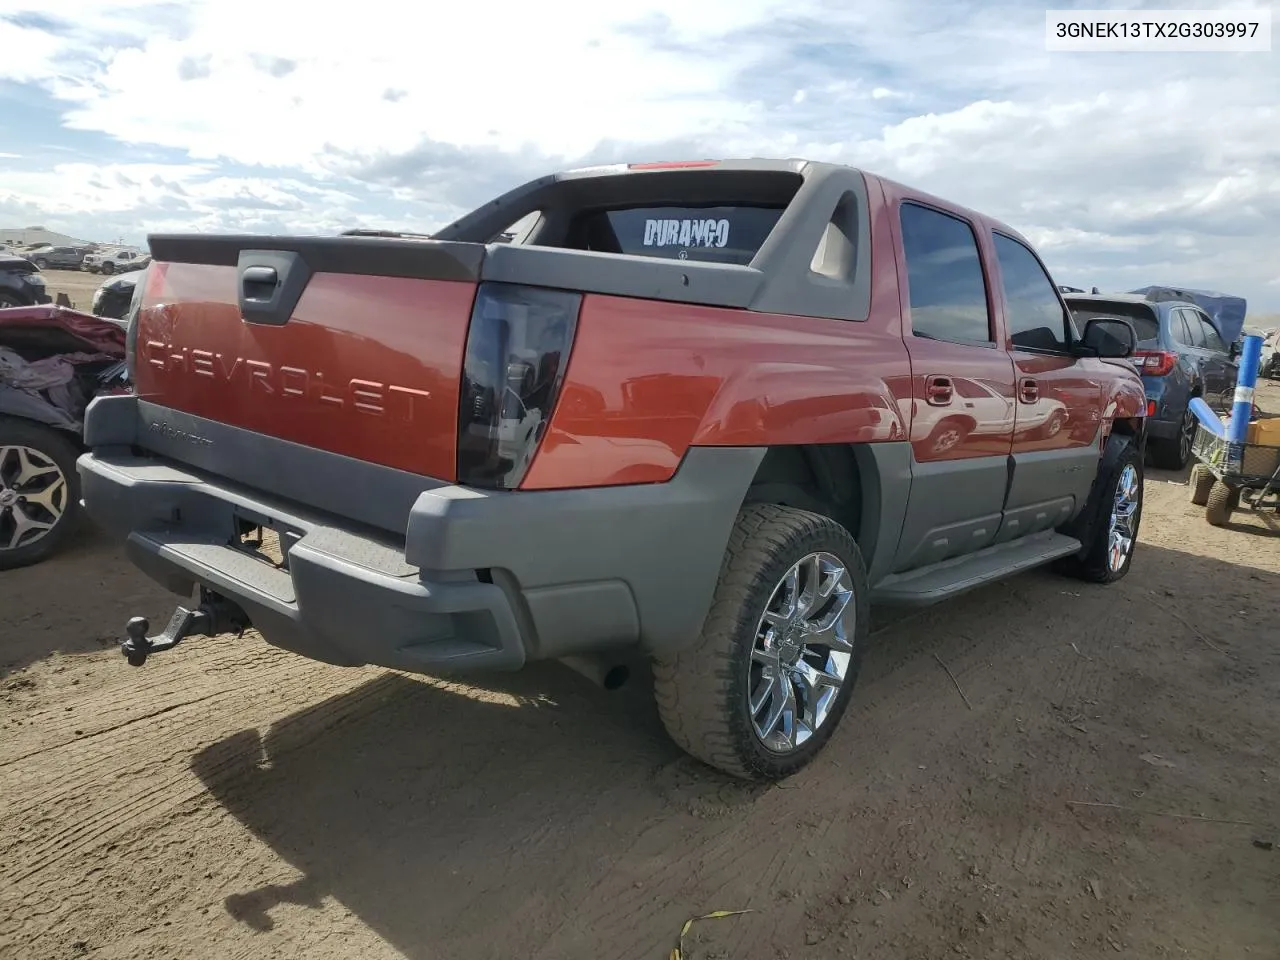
(64, 815)
(175, 792)
(913, 688)
(126, 693)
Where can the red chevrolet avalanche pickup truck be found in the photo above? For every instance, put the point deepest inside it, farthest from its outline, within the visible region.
(702, 412)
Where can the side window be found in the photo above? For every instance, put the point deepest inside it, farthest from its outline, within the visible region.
(946, 287)
(1034, 313)
(1212, 339)
(1178, 328)
(1194, 328)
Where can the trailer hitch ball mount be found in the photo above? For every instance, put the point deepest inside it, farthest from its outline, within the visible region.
(214, 615)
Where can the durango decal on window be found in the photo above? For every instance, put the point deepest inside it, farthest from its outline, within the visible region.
(686, 233)
(724, 233)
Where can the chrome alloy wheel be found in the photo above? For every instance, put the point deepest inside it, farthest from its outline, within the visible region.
(1124, 516)
(33, 496)
(802, 651)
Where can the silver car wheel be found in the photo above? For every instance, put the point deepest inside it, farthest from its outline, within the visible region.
(802, 652)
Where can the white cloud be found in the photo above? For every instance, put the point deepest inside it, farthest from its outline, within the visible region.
(1126, 168)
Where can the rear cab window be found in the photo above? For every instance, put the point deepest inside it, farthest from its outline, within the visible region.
(712, 234)
(701, 215)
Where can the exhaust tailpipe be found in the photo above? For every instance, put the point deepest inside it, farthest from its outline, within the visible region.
(602, 671)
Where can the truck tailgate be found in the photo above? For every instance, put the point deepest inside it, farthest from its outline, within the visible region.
(350, 345)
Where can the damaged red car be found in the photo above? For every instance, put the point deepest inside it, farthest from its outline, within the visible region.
(53, 361)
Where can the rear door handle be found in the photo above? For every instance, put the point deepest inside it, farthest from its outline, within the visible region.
(1028, 390)
(938, 390)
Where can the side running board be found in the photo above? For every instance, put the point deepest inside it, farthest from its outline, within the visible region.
(941, 581)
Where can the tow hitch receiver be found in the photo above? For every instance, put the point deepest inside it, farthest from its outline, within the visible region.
(211, 617)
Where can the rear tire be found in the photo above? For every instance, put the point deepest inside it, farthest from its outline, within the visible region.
(38, 485)
(1202, 481)
(41, 263)
(717, 696)
(1175, 453)
(1222, 502)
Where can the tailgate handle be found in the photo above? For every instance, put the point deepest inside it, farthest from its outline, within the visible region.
(270, 285)
(260, 282)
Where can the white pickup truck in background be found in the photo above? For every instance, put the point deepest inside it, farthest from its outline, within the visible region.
(116, 260)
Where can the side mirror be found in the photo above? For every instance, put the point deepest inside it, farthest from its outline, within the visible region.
(1108, 337)
(1237, 347)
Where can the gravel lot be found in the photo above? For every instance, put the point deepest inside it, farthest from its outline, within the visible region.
(78, 285)
(231, 800)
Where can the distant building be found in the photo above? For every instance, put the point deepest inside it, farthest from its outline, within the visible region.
(25, 236)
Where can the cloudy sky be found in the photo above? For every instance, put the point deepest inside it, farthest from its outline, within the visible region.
(120, 117)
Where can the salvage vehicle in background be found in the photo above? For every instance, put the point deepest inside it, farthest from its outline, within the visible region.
(58, 258)
(21, 284)
(53, 361)
(112, 298)
(1268, 346)
(1180, 355)
(690, 414)
(1227, 312)
(116, 261)
(1269, 363)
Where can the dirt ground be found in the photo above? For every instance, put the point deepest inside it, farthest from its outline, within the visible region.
(78, 285)
(1106, 783)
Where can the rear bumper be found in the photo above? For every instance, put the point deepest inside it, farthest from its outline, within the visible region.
(1170, 401)
(1162, 429)
(476, 581)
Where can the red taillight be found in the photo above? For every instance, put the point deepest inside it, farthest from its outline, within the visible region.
(1151, 408)
(673, 165)
(517, 349)
(1154, 363)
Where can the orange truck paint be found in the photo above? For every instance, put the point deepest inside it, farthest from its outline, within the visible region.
(378, 385)
(646, 381)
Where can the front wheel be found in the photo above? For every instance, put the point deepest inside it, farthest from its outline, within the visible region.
(1115, 513)
(108, 268)
(39, 492)
(762, 689)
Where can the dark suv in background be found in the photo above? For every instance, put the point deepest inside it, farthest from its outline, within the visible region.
(57, 258)
(1180, 355)
(20, 282)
